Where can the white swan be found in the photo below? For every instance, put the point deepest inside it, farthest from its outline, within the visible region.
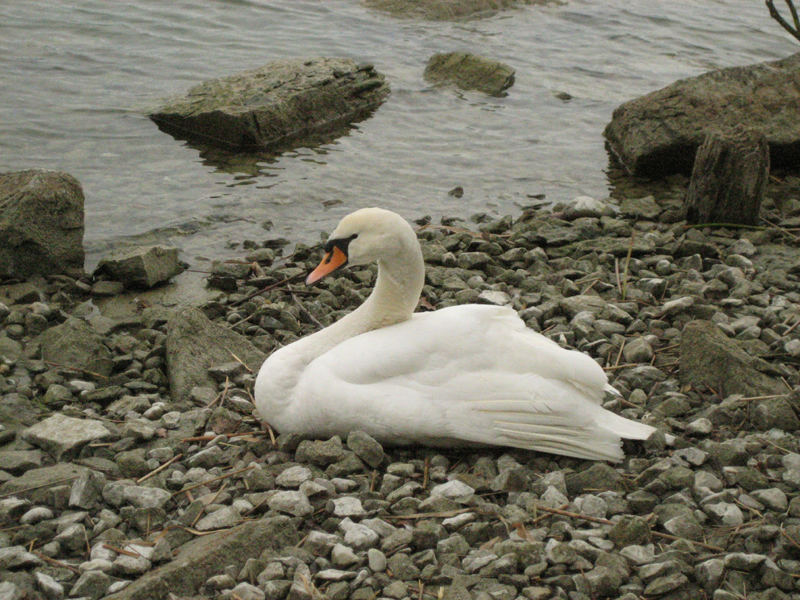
(460, 375)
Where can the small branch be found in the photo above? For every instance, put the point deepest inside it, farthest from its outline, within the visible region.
(773, 12)
(159, 469)
(266, 289)
(202, 483)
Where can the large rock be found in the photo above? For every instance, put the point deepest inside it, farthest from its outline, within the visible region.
(194, 344)
(659, 133)
(708, 358)
(277, 106)
(41, 224)
(209, 555)
(441, 10)
(61, 436)
(729, 178)
(470, 72)
(141, 267)
(75, 344)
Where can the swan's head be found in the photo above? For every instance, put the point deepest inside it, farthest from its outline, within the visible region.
(362, 237)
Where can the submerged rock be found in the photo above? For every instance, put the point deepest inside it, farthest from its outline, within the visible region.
(470, 72)
(41, 223)
(277, 106)
(659, 133)
(441, 10)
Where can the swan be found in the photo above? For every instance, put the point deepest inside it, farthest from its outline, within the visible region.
(462, 375)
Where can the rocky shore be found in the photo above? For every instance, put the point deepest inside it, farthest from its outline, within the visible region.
(132, 465)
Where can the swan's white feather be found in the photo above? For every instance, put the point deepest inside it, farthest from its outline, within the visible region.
(471, 374)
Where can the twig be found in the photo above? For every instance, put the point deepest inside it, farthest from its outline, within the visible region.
(773, 12)
(792, 328)
(159, 469)
(36, 487)
(78, 369)
(781, 229)
(132, 553)
(208, 438)
(666, 536)
(202, 483)
(241, 362)
(56, 563)
(266, 289)
(431, 515)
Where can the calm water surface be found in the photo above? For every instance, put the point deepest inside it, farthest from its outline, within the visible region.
(78, 78)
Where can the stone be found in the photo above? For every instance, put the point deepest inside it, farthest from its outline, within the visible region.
(293, 477)
(290, 502)
(91, 584)
(775, 413)
(210, 554)
(346, 506)
(219, 519)
(599, 476)
(638, 350)
(18, 461)
(16, 557)
(41, 224)
(140, 267)
(470, 72)
(87, 490)
(668, 583)
(247, 591)
(10, 591)
(659, 133)
(60, 435)
(729, 178)
(630, 530)
(194, 344)
(277, 106)
(75, 344)
(366, 448)
(35, 483)
(48, 586)
(708, 358)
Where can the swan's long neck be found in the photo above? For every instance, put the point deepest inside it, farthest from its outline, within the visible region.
(399, 284)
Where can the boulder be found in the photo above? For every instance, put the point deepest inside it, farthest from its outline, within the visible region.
(211, 554)
(75, 344)
(276, 107)
(470, 72)
(729, 178)
(41, 224)
(194, 344)
(34, 483)
(141, 266)
(659, 133)
(708, 358)
(442, 10)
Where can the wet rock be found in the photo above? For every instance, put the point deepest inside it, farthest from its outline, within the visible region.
(659, 133)
(630, 530)
(41, 224)
(470, 72)
(277, 106)
(62, 436)
(141, 267)
(194, 344)
(709, 358)
(599, 476)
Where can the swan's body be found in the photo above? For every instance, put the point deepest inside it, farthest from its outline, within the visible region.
(461, 375)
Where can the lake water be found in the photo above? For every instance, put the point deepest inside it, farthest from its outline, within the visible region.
(78, 78)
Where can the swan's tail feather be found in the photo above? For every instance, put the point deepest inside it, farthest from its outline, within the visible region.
(625, 428)
(567, 443)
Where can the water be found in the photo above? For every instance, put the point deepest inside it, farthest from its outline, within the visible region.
(78, 78)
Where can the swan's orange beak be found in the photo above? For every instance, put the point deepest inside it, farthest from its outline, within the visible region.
(332, 260)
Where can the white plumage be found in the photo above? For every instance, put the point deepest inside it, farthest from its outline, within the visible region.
(470, 374)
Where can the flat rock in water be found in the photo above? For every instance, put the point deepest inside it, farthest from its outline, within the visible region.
(276, 107)
(194, 344)
(443, 10)
(75, 344)
(60, 435)
(141, 267)
(208, 555)
(659, 133)
(708, 358)
(470, 72)
(41, 224)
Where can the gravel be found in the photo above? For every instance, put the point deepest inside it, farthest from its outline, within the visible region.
(112, 485)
